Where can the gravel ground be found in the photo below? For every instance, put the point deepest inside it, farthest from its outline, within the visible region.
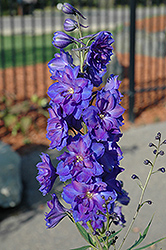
(23, 228)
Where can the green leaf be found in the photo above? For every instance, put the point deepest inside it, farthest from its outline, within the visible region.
(113, 235)
(84, 234)
(16, 129)
(81, 248)
(150, 244)
(25, 123)
(141, 237)
(10, 120)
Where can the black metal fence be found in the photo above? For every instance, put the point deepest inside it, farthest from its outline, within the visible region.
(138, 27)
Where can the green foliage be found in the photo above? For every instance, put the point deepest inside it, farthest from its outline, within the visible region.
(85, 234)
(81, 248)
(142, 237)
(26, 49)
(16, 116)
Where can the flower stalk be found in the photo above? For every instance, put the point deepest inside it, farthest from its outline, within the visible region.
(142, 196)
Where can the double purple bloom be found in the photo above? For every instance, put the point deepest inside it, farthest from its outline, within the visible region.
(71, 92)
(46, 175)
(103, 117)
(87, 199)
(80, 161)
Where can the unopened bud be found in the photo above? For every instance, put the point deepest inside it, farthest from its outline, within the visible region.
(151, 144)
(164, 142)
(158, 136)
(161, 152)
(107, 233)
(134, 176)
(162, 170)
(149, 202)
(154, 151)
(146, 162)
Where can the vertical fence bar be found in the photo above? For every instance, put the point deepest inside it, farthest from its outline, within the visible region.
(24, 54)
(132, 59)
(34, 50)
(43, 23)
(2, 51)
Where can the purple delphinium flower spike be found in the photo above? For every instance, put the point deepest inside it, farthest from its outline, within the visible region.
(57, 128)
(87, 199)
(46, 175)
(57, 213)
(69, 9)
(71, 93)
(80, 161)
(59, 62)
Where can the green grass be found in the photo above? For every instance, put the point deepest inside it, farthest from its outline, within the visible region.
(22, 50)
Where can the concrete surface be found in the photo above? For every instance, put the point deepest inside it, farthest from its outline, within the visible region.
(24, 228)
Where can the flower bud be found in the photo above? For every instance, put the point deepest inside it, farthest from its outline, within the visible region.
(154, 151)
(164, 142)
(162, 170)
(134, 176)
(149, 202)
(107, 233)
(146, 162)
(151, 144)
(161, 152)
(158, 136)
(70, 25)
(69, 9)
(61, 39)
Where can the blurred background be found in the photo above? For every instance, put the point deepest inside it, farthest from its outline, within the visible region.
(26, 32)
(27, 27)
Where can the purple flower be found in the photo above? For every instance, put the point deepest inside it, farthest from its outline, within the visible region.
(60, 61)
(69, 9)
(103, 117)
(46, 175)
(87, 199)
(113, 85)
(71, 93)
(70, 25)
(62, 40)
(93, 75)
(112, 184)
(111, 157)
(97, 221)
(116, 215)
(57, 213)
(80, 161)
(100, 51)
(57, 128)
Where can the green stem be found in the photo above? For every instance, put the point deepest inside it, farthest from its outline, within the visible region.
(81, 52)
(107, 228)
(141, 198)
(94, 236)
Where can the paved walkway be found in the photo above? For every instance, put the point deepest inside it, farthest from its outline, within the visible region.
(25, 228)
